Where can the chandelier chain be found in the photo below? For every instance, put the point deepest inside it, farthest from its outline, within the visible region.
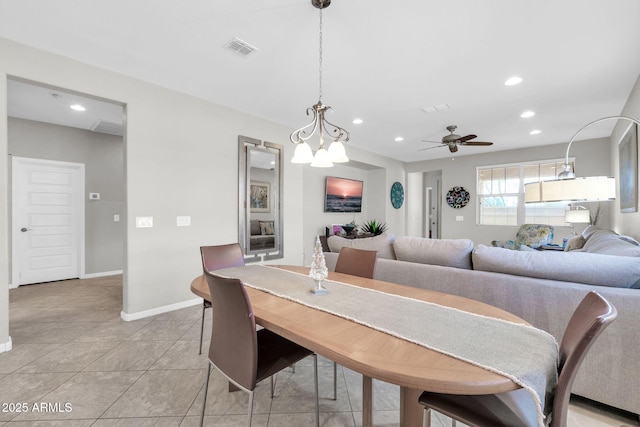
(320, 51)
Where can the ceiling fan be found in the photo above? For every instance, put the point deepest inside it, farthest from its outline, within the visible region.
(452, 140)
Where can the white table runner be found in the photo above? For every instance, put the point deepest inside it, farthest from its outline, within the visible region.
(526, 355)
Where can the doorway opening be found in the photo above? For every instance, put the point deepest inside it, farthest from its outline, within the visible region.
(59, 130)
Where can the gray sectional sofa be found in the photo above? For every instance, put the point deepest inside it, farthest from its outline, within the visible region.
(542, 287)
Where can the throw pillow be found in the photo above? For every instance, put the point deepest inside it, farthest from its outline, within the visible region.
(383, 244)
(445, 252)
(575, 242)
(254, 225)
(266, 228)
(589, 230)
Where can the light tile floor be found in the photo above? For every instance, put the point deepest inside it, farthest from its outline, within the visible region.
(76, 363)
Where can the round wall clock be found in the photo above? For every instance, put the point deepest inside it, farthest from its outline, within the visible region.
(458, 197)
(397, 195)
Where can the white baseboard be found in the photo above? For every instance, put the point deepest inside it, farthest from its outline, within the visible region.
(101, 274)
(7, 346)
(85, 276)
(159, 310)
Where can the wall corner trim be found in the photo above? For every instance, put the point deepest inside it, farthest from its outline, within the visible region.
(128, 317)
(7, 346)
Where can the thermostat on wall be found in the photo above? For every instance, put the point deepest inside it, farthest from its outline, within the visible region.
(94, 196)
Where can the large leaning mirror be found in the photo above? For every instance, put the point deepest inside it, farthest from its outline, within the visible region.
(260, 199)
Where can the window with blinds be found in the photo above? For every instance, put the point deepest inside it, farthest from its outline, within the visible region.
(500, 192)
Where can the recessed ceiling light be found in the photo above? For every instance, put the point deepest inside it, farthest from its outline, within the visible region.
(535, 132)
(357, 121)
(78, 107)
(527, 114)
(398, 139)
(513, 81)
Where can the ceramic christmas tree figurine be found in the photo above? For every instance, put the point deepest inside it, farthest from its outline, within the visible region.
(319, 270)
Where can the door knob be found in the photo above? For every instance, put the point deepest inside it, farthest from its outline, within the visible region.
(25, 229)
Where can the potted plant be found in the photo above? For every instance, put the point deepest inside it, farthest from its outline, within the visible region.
(373, 227)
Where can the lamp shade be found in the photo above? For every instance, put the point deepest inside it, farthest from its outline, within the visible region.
(575, 216)
(591, 189)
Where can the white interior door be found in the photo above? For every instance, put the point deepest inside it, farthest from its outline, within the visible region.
(47, 220)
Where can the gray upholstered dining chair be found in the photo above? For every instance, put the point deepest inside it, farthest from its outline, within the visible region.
(517, 408)
(357, 262)
(244, 355)
(215, 258)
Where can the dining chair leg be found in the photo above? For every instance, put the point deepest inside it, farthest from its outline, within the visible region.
(250, 407)
(204, 307)
(206, 389)
(273, 386)
(426, 418)
(335, 381)
(315, 380)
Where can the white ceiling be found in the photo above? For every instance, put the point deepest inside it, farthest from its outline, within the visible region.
(384, 62)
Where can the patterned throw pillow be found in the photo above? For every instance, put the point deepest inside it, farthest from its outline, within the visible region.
(266, 228)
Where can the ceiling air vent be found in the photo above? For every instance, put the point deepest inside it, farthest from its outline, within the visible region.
(240, 46)
(109, 128)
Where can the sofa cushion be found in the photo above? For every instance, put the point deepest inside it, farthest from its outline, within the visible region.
(579, 267)
(607, 242)
(446, 252)
(383, 244)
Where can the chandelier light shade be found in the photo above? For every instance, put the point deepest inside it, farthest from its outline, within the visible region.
(323, 157)
(569, 188)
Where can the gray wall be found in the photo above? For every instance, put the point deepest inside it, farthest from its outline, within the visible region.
(181, 159)
(592, 158)
(629, 222)
(378, 174)
(103, 157)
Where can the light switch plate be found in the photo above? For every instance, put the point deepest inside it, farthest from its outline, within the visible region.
(94, 196)
(144, 221)
(459, 218)
(183, 221)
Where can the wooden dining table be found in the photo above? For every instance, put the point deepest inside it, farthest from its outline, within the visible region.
(376, 354)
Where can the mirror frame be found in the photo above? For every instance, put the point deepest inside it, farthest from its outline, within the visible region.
(245, 146)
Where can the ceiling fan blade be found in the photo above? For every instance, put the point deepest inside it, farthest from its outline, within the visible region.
(476, 143)
(430, 148)
(466, 138)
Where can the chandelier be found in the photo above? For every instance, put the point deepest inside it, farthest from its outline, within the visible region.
(324, 157)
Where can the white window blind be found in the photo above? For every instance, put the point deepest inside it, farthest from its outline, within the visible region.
(500, 191)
